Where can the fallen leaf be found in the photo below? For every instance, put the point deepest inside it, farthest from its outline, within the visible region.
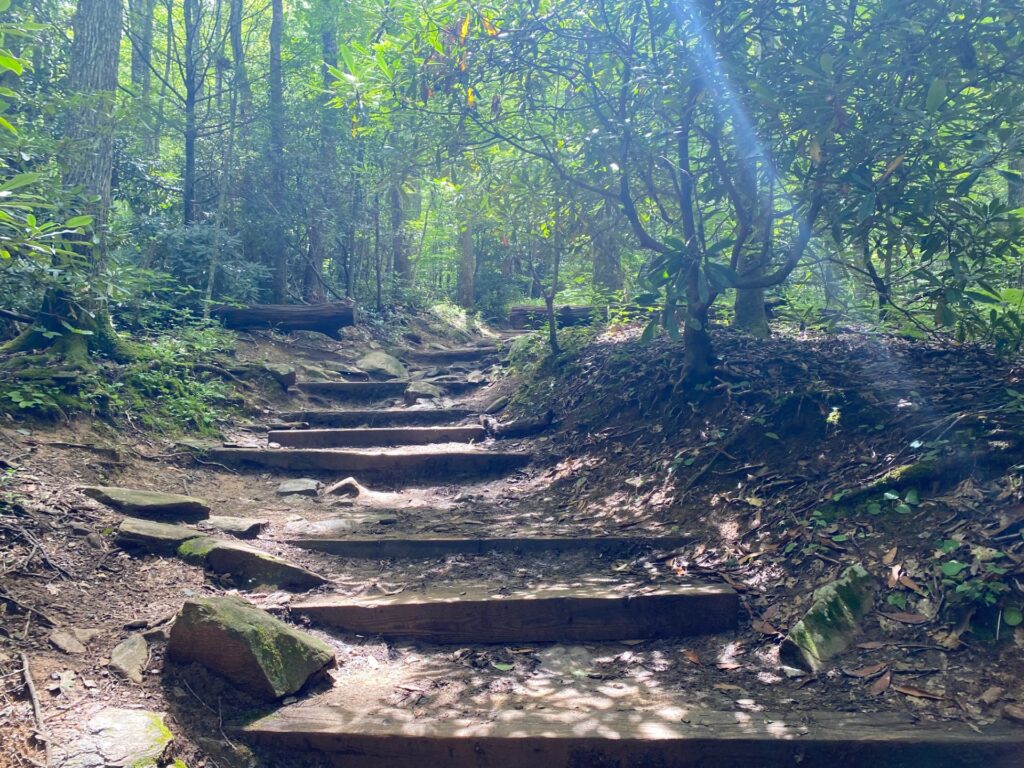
(992, 695)
(1014, 712)
(918, 693)
(894, 575)
(727, 687)
(692, 656)
(869, 671)
(874, 645)
(881, 685)
(910, 584)
(729, 666)
(890, 557)
(906, 618)
(502, 666)
(763, 627)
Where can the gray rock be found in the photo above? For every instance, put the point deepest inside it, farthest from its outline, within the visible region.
(242, 527)
(150, 504)
(422, 390)
(347, 487)
(130, 657)
(67, 642)
(828, 628)
(283, 374)
(135, 534)
(302, 486)
(122, 737)
(383, 364)
(248, 566)
(497, 405)
(251, 648)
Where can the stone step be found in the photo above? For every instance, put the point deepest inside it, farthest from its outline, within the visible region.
(669, 737)
(387, 417)
(550, 614)
(375, 436)
(354, 390)
(441, 465)
(425, 547)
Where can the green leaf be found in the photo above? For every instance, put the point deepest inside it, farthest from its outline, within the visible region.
(19, 181)
(4, 5)
(912, 497)
(1012, 617)
(936, 95)
(346, 56)
(502, 666)
(649, 331)
(953, 568)
(720, 276)
(11, 63)
(78, 221)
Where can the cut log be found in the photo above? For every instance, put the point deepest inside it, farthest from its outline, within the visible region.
(354, 390)
(523, 317)
(443, 356)
(389, 417)
(355, 438)
(386, 465)
(567, 614)
(325, 318)
(556, 736)
(421, 547)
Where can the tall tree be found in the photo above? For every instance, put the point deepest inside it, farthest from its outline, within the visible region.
(276, 240)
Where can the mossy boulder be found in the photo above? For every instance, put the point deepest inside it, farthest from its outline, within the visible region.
(283, 374)
(136, 534)
(125, 737)
(149, 504)
(249, 647)
(422, 390)
(249, 567)
(828, 628)
(382, 364)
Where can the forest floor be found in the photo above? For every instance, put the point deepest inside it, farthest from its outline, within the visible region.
(780, 476)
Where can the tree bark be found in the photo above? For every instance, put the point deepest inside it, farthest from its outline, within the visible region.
(275, 236)
(605, 249)
(140, 25)
(242, 86)
(193, 15)
(399, 242)
(467, 266)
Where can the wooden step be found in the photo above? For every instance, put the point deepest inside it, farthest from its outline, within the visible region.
(440, 465)
(425, 547)
(665, 737)
(442, 356)
(354, 390)
(387, 417)
(364, 437)
(557, 614)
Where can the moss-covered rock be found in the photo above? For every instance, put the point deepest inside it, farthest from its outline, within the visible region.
(149, 504)
(382, 364)
(832, 622)
(127, 737)
(249, 647)
(283, 374)
(135, 534)
(248, 566)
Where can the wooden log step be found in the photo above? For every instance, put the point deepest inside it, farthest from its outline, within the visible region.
(667, 737)
(363, 437)
(326, 318)
(422, 547)
(441, 356)
(354, 390)
(558, 614)
(442, 465)
(387, 417)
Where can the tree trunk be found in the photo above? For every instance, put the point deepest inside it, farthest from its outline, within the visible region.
(467, 266)
(399, 243)
(605, 249)
(140, 25)
(321, 220)
(192, 14)
(72, 326)
(275, 236)
(235, 13)
(749, 313)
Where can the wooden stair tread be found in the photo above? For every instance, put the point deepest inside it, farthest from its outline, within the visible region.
(385, 548)
(376, 436)
(558, 736)
(385, 417)
(557, 613)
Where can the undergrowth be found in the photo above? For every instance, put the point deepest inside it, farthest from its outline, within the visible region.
(161, 388)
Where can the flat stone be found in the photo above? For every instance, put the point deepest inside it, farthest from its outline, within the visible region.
(283, 374)
(150, 504)
(831, 623)
(242, 527)
(123, 737)
(129, 658)
(251, 648)
(383, 364)
(66, 641)
(248, 566)
(302, 486)
(155, 538)
(347, 487)
(497, 405)
(338, 526)
(422, 390)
